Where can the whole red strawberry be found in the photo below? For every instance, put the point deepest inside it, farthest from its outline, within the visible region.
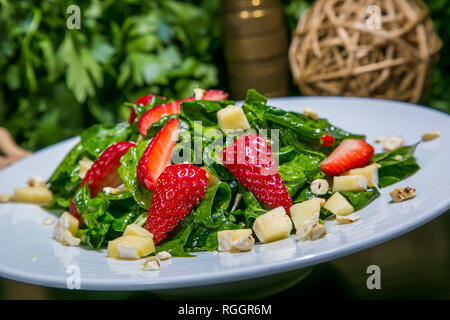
(178, 189)
(103, 172)
(251, 161)
(349, 154)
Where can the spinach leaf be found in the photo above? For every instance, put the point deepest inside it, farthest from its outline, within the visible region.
(97, 138)
(361, 199)
(249, 207)
(396, 165)
(285, 154)
(176, 239)
(95, 216)
(203, 110)
(128, 175)
(298, 171)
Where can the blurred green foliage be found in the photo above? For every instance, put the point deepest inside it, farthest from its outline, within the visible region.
(54, 81)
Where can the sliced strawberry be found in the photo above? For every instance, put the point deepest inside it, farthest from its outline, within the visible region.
(251, 161)
(215, 95)
(327, 140)
(144, 100)
(103, 172)
(156, 113)
(349, 154)
(177, 190)
(158, 153)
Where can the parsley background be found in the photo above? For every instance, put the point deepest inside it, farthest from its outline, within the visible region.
(54, 82)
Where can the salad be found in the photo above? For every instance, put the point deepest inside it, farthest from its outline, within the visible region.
(202, 174)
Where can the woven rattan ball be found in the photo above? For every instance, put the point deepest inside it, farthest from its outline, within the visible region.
(381, 49)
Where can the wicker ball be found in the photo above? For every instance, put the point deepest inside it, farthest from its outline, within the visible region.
(381, 49)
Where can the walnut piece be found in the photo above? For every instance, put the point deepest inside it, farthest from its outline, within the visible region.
(403, 193)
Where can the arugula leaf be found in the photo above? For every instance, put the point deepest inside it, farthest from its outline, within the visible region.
(128, 175)
(396, 165)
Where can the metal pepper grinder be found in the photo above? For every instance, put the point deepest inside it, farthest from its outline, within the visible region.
(256, 44)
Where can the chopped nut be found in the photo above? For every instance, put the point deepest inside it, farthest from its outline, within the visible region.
(151, 264)
(310, 113)
(122, 188)
(427, 136)
(347, 219)
(401, 194)
(139, 139)
(380, 139)
(36, 181)
(243, 244)
(48, 221)
(318, 231)
(163, 255)
(70, 240)
(398, 157)
(393, 143)
(110, 190)
(33, 257)
(5, 197)
(311, 229)
(199, 93)
(85, 164)
(319, 186)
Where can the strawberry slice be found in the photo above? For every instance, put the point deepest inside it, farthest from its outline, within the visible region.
(158, 153)
(144, 100)
(177, 190)
(156, 113)
(349, 154)
(251, 161)
(215, 95)
(103, 172)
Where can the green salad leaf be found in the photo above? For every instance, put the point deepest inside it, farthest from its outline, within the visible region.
(396, 165)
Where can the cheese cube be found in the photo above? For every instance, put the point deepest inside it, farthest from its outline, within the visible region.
(338, 205)
(370, 172)
(273, 225)
(231, 240)
(66, 222)
(300, 212)
(232, 118)
(37, 195)
(130, 247)
(135, 230)
(349, 183)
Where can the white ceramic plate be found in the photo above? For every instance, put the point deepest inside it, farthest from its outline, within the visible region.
(29, 254)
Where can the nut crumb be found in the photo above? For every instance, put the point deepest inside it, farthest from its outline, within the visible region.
(319, 186)
(163, 255)
(398, 157)
(151, 264)
(243, 244)
(48, 221)
(310, 113)
(36, 181)
(393, 143)
(311, 229)
(70, 240)
(401, 194)
(380, 139)
(427, 136)
(347, 219)
(33, 257)
(5, 197)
